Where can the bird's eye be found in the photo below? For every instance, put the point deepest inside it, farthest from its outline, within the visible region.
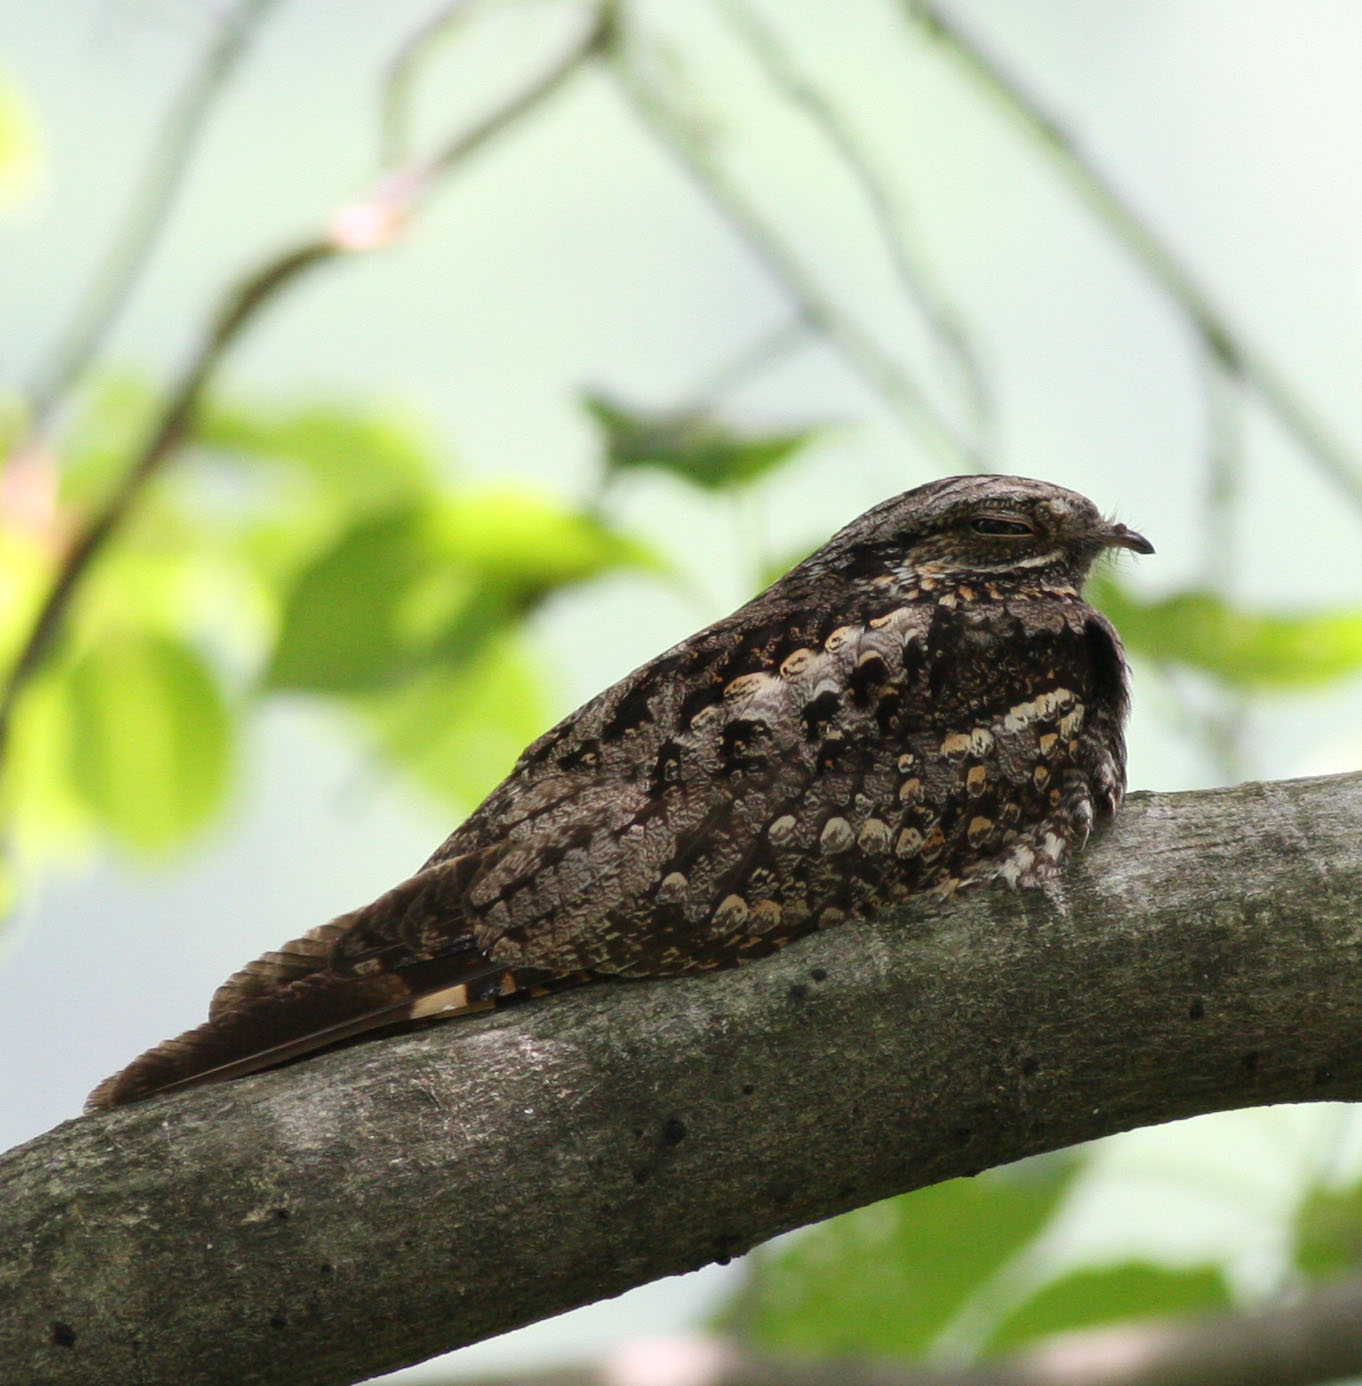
(991, 524)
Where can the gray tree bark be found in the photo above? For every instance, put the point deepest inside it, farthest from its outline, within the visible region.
(376, 1206)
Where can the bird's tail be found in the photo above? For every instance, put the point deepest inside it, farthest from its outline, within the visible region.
(312, 1013)
(358, 973)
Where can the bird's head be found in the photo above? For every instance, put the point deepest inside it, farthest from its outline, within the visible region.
(1003, 530)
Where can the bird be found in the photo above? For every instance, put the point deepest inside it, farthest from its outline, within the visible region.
(925, 703)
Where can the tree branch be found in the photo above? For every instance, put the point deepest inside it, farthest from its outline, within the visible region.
(440, 1188)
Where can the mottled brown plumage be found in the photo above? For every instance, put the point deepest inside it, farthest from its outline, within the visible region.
(925, 703)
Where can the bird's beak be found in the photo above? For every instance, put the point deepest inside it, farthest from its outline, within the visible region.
(1117, 536)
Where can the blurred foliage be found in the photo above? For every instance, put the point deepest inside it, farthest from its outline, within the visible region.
(968, 1268)
(340, 558)
(1251, 650)
(1097, 1295)
(1328, 1233)
(322, 550)
(21, 148)
(887, 1280)
(150, 737)
(691, 444)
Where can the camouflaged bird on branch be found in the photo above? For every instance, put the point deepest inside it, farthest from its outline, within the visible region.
(923, 704)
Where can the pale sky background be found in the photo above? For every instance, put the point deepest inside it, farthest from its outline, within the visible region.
(570, 254)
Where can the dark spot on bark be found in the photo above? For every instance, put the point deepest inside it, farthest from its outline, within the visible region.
(726, 1245)
(819, 974)
(327, 1268)
(278, 1321)
(279, 1214)
(62, 1335)
(1250, 1061)
(1197, 1010)
(674, 1130)
(1030, 1068)
(642, 1174)
(798, 992)
(748, 1089)
(962, 1135)
(1324, 1074)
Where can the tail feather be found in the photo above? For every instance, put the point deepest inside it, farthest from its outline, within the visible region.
(274, 971)
(409, 955)
(310, 1014)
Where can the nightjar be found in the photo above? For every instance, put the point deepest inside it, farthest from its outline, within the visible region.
(924, 703)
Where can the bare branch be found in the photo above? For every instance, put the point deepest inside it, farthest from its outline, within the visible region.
(915, 278)
(903, 395)
(402, 72)
(444, 1187)
(1222, 338)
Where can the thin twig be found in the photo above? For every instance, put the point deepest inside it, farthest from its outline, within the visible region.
(903, 395)
(751, 359)
(1224, 469)
(1334, 458)
(915, 278)
(401, 75)
(396, 195)
(147, 213)
(1224, 728)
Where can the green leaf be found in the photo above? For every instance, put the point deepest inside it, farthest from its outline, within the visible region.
(431, 583)
(25, 570)
(44, 812)
(342, 627)
(458, 731)
(695, 446)
(1329, 1233)
(885, 1280)
(1112, 1294)
(356, 459)
(150, 738)
(531, 542)
(1248, 649)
